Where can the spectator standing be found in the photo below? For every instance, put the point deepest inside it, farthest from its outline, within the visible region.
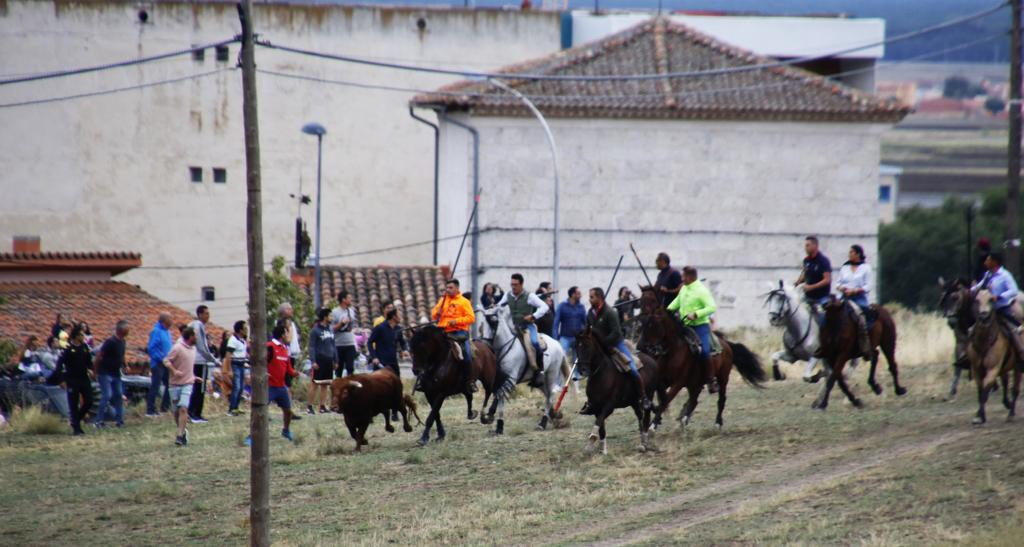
(279, 365)
(180, 363)
(546, 324)
(324, 355)
(343, 321)
(384, 309)
(625, 305)
(669, 281)
(237, 358)
(384, 343)
(157, 348)
(286, 313)
(107, 365)
(205, 359)
(570, 320)
(74, 368)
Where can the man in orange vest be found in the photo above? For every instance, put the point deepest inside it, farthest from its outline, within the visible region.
(454, 313)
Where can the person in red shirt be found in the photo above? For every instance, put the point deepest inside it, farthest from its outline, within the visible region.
(279, 365)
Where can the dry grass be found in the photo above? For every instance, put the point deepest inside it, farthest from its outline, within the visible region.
(33, 421)
(131, 485)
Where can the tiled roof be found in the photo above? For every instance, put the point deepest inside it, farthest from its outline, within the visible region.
(30, 308)
(660, 46)
(114, 262)
(417, 287)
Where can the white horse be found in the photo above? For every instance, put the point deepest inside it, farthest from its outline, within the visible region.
(495, 326)
(786, 308)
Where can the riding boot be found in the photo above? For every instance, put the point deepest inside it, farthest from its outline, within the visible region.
(862, 334)
(709, 376)
(470, 379)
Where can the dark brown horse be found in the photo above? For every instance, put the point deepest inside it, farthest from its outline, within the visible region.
(608, 388)
(956, 306)
(440, 375)
(679, 367)
(992, 357)
(840, 343)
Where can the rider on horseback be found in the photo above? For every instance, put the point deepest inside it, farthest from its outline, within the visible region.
(454, 313)
(816, 277)
(604, 325)
(1003, 287)
(526, 308)
(694, 304)
(855, 282)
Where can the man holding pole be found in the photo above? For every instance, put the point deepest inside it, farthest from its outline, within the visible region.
(454, 313)
(604, 324)
(694, 304)
(526, 308)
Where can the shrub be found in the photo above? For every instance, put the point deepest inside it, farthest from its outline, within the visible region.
(33, 421)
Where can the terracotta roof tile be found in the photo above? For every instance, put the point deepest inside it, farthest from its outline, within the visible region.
(660, 46)
(416, 287)
(30, 308)
(114, 262)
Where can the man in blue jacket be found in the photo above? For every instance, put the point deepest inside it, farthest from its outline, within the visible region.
(158, 347)
(570, 320)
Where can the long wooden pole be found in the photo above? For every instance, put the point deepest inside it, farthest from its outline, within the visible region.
(1011, 231)
(259, 463)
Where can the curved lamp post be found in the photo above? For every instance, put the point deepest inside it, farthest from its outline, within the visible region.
(313, 128)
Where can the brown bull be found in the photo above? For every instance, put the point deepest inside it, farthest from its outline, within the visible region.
(362, 396)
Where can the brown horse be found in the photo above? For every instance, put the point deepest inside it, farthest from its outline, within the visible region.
(956, 305)
(440, 375)
(608, 388)
(840, 343)
(992, 357)
(679, 367)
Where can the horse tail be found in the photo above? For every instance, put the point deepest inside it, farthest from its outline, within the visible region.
(748, 365)
(410, 405)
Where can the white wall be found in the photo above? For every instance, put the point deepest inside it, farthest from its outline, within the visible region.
(111, 172)
(734, 199)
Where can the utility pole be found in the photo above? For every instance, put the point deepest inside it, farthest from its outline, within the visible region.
(1011, 232)
(259, 463)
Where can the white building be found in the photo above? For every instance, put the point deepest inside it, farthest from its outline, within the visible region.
(726, 172)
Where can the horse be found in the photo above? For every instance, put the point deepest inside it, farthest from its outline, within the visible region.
(800, 339)
(840, 341)
(496, 326)
(992, 357)
(956, 306)
(608, 389)
(679, 367)
(440, 375)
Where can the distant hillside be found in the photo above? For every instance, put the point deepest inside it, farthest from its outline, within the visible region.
(901, 16)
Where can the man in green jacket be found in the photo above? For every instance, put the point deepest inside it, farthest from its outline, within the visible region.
(694, 304)
(603, 321)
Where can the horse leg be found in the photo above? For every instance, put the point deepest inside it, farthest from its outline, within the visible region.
(889, 349)
(387, 422)
(499, 427)
(721, 402)
(686, 414)
(777, 374)
(1004, 378)
(983, 390)
(841, 379)
(640, 418)
(440, 426)
(871, 375)
(1016, 393)
(666, 400)
(406, 426)
(957, 371)
(470, 415)
(435, 411)
(809, 375)
(821, 403)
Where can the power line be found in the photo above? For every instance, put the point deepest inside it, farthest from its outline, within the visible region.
(620, 77)
(143, 85)
(401, 89)
(118, 64)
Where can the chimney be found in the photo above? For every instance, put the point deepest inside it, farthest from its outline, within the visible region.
(27, 244)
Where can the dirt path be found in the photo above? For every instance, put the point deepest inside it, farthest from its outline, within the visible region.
(765, 484)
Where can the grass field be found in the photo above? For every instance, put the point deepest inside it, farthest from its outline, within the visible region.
(901, 471)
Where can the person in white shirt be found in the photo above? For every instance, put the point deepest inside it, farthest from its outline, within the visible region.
(856, 280)
(237, 361)
(526, 309)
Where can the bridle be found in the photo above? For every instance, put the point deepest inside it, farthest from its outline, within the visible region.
(786, 312)
(505, 348)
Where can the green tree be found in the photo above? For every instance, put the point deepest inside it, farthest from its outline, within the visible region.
(281, 289)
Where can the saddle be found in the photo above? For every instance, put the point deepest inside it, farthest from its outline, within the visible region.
(870, 313)
(524, 338)
(455, 342)
(622, 361)
(692, 340)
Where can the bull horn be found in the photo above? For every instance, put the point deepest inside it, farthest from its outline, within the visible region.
(355, 384)
(942, 281)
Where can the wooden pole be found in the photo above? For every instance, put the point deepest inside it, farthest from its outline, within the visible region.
(259, 463)
(1011, 231)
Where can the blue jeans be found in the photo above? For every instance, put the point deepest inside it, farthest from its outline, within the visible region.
(111, 394)
(467, 354)
(237, 383)
(569, 347)
(55, 395)
(532, 329)
(819, 304)
(861, 300)
(704, 333)
(632, 362)
(158, 375)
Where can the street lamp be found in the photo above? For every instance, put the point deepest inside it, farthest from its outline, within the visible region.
(554, 158)
(313, 128)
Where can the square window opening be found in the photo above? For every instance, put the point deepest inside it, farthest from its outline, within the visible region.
(196, 174)
(208, 294)
(198, 54)
(223, 54)
(220, 175)
(884, 193)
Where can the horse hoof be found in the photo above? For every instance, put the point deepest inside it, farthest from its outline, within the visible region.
(495, 433)
(407, 428)
(439, 440)
(486, 420)
(641, 448)
(901, 391)
(819, 406)
(389, 428)
(813, 379)
(978, 420)
(777, 374)
(857, 403)
(540, 427)
(472, 415)
(420, 443)
(1009, 418)
(878, 389)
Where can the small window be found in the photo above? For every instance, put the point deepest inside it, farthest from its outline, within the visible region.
(220, 175)
(198, 54)
(208, 294)
(222, 54)
(196, 173)
(884, 193)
